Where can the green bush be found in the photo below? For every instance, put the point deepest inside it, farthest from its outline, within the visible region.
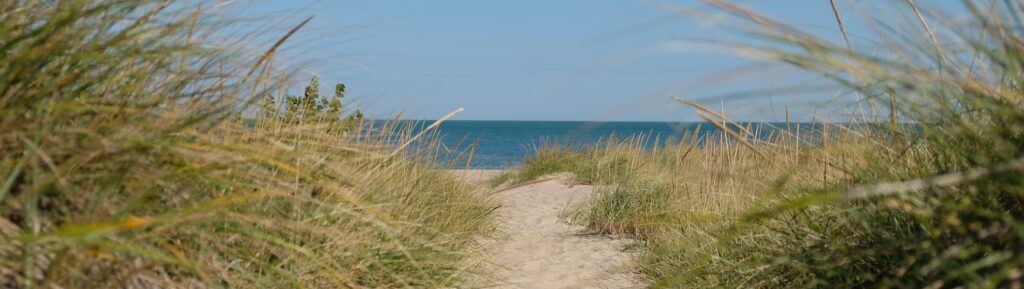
(311, 107)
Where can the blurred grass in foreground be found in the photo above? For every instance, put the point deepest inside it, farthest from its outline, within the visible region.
(124, 163)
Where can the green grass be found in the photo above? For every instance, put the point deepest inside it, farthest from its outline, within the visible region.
(124, 164)
(548, 160)
(588, 165)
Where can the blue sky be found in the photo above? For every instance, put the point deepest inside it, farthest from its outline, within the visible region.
(542, 59)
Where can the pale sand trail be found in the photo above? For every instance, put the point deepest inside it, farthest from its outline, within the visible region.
(541, 251)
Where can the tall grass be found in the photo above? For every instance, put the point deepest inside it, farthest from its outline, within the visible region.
(936, 208)
(124, 164)
(936, 204)
(679, 198)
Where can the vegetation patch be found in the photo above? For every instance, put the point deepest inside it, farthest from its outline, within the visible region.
(933, 204)
(134, 156)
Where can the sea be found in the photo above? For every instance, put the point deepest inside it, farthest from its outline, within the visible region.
(505, 144)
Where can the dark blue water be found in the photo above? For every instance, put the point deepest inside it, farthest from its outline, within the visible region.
(503, 144)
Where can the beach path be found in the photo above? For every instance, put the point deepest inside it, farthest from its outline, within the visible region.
(538, 250)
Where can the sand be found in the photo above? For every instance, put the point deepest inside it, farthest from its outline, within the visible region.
(538, 250)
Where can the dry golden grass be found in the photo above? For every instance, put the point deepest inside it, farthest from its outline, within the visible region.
(682, 198)
(929, 197)
(126, 162)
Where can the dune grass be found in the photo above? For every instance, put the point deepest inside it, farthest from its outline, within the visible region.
(679, 198)
(937, 207)
(129, 159)
(933, 204)
(593, 164)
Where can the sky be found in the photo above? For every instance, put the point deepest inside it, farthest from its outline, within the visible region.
(613, 60)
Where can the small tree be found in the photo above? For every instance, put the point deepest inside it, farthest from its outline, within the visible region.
(268, 107)
(310, 108)
(334, 108)
(292, 110)
(356, 116)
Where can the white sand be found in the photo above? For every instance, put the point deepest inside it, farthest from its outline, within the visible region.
(540, 251)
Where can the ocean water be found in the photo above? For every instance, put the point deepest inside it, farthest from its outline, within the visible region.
(504, 144)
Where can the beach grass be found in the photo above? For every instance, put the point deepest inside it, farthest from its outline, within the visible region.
(140, 149)
(923, 191)
(134, 156)
(679, 197)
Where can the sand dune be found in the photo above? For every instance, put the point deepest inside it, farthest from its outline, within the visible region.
(541, 251)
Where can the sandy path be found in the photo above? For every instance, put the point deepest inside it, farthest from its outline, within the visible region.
(540, 251)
